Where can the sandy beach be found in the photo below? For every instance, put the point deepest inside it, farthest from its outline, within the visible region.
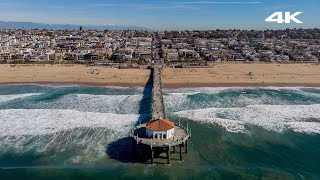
(225, 74)
(77, 74)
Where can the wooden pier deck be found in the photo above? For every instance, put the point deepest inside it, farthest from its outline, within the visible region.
(181, 135)
(158, 104)
(138, 134)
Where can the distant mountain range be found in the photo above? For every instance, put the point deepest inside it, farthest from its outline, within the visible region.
(32, 25)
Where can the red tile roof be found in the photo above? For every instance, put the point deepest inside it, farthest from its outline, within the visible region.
(160, 125)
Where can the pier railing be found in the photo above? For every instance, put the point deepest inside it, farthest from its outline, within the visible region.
(158, 111)
(153, 143)
(158, 102)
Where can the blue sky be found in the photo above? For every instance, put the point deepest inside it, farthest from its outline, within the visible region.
(162, 14)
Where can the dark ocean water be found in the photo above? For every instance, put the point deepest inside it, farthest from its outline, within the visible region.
(78, 132)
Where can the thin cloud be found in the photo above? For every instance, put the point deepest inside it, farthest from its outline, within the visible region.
(58, 7)
(170, 5)
(65, 7)
(10, 5)
(144, 6)
(219, 2)
(287, 6)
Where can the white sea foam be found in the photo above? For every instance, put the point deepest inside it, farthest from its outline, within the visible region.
(62, 85)
(181, 101)
(194, 90)
(219, 89)
(299, 118)
(183, 93)
(112, 103)
(5, 98)
(126, 104)
(52, 131)
(173, 99)
(16, 122)
(310, 94)
(246, 100)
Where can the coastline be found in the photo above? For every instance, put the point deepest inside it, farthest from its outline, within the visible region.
(240, 85)
(170, 86)
(220, 75)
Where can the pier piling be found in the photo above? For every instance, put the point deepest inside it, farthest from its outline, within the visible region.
(186, 147)
(180, 152)
(152, 156)
(168, 155)
(134, 151)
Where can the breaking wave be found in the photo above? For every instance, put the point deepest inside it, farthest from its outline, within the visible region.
(299, 118)
(6, 98)
(15, 122)
(118, 104)
(74, 125)
(203, 98)
(112, 103)
(53, 131)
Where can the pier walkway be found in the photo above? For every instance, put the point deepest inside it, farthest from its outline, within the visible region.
(140, 139)
(158, 111)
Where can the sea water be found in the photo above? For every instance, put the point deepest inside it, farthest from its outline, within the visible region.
(81, 132)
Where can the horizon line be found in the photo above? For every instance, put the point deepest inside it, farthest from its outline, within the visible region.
(148, 28)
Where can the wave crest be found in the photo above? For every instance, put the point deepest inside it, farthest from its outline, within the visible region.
(6, 98)
(299, 118)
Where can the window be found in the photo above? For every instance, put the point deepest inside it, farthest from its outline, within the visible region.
(164, 136)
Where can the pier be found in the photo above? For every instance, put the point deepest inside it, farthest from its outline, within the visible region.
(157, 103)
(159, 135)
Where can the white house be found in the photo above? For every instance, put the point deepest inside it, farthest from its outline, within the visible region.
(160, 129)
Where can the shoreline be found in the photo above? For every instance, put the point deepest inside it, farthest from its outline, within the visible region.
(222, 75)
(167, 86)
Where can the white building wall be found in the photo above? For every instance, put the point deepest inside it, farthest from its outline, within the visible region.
(152, 134)
(170, 133)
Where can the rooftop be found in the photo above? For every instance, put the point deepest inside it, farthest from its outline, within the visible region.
(160, 125)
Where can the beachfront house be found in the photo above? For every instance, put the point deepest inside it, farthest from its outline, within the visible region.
(160, 129)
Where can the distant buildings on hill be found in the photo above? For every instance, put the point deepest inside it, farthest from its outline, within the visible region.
(189, 47)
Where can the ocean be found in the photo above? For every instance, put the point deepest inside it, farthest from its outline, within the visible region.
(81, 132)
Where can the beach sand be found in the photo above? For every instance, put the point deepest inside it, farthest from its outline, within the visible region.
(239, 75)
(224, 74)
(73, 74)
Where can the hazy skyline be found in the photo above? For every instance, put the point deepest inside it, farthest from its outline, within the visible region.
(161, 14)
